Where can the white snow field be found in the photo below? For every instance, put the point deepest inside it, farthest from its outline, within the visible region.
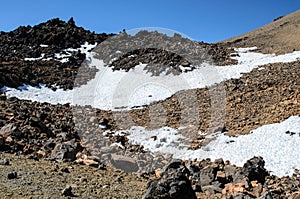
(114, 89)
(278, 144)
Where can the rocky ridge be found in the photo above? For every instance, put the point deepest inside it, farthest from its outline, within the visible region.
(47, 39)
(42, 42)
(161, 53)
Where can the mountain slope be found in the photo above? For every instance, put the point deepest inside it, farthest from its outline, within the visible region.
(266, 94)
(280, 36)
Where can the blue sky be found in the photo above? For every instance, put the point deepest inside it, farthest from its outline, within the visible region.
(209, 21)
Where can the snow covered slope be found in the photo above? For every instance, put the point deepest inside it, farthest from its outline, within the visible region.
(114, 89)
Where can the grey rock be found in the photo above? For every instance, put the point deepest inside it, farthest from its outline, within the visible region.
(7, 130)
(266, 196)
(125, 163)
(211, 189)
(254, 169)
(5, 161)
(207, 175)
(65, 151)
(173, 183)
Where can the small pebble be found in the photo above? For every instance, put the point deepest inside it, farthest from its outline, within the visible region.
(67, 191)
(12, 175)
(65, 170)
(5, 161)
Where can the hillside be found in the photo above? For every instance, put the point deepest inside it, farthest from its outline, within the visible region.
(280, 36)
(108, 116)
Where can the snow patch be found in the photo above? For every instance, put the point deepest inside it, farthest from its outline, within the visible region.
(64, 55)
(40, 94)
(279, 149)
(244, 50)
(165, 139)
(35, 58)
(44, 46)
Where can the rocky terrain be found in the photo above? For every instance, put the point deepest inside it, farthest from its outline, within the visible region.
(161, 53)
(26, 177)
(46, 152)
(53, 36)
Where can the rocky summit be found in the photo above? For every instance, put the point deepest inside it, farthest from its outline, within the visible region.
(50, 150)
(45, 39)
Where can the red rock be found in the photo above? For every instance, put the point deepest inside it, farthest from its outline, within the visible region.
(158, 172)
(41, 153)
(232, 189)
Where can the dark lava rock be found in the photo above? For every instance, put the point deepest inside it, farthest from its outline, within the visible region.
(2, 141)
(27, 42)
(65, 170)
(160, 53)
(12, 175)
(67, 191)
(173, 183)
(254, 169)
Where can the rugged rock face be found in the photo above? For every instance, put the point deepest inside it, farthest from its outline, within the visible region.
(27, 41)
(44, 39)
(38, 129)
(64, 133)
(44, 72)
(53, 36)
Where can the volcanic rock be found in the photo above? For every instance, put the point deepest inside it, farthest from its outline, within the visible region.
(46, 38)
(65, 151)
(12, 175)
(67, 191)
(173, 183)
(254, 169)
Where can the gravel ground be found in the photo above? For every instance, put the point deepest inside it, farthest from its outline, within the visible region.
(47, 179)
